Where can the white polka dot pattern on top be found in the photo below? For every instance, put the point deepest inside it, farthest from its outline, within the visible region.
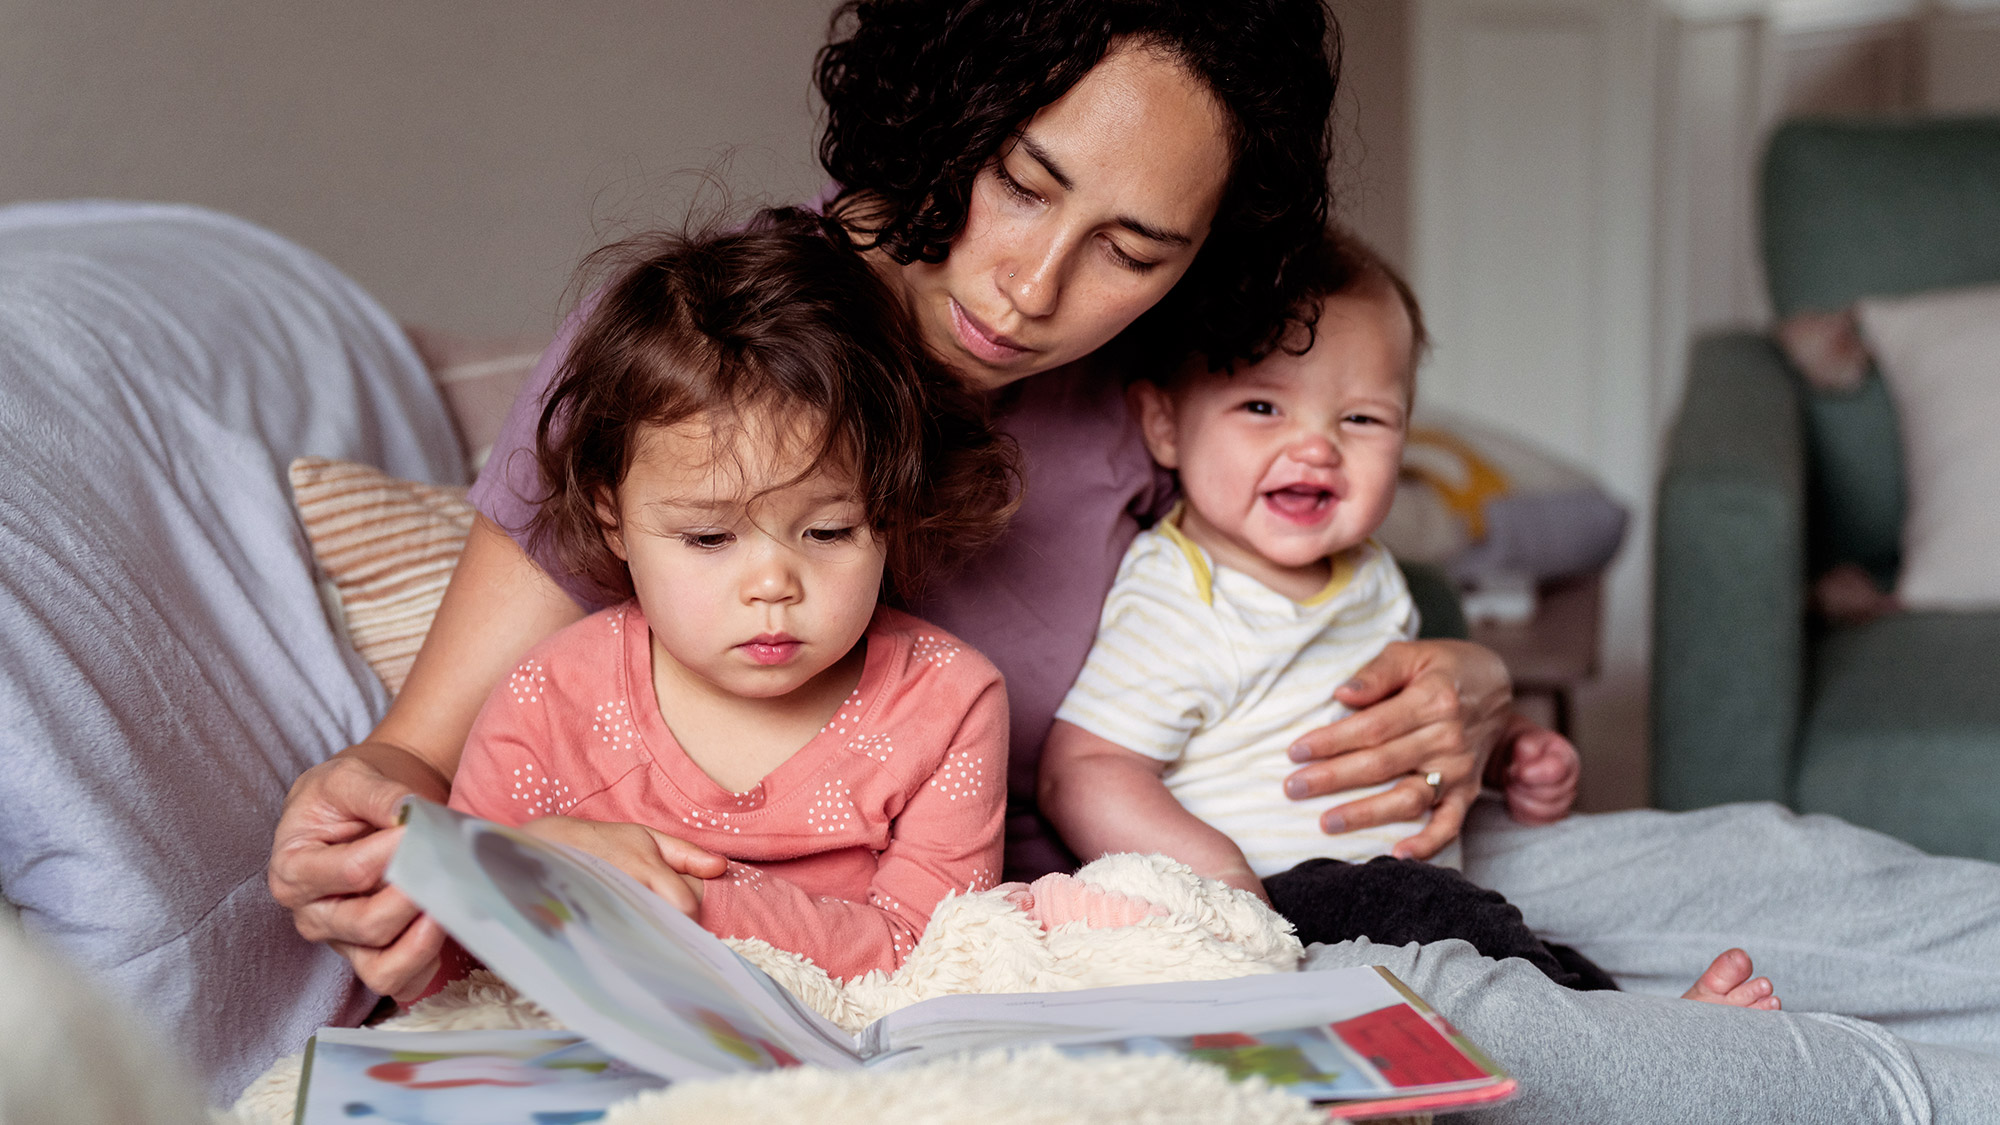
(613, 723)
(545, 795)
(525, 683)
(719, 821)
(928, 649)
(876, 746)
(743, 875)
(958, 776)
(847, 716)
(833, 808)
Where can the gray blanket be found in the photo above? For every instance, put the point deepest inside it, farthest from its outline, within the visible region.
(166, 668)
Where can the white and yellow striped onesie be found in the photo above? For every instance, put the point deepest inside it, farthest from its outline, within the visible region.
(1216, 674)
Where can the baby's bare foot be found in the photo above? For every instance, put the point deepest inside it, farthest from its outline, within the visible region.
(1728, 981)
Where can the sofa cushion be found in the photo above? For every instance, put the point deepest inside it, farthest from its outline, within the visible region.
(1903, 731)
(1855, 209)
(1940, 354)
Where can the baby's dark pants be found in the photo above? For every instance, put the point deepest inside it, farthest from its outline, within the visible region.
(1398, 901)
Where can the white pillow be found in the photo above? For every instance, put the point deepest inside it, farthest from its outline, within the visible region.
(1940, 353)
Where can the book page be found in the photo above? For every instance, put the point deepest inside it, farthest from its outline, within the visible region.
(510, 1077)
(603, 954)
(1347, 1035)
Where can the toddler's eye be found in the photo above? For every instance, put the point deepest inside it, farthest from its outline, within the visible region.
(705, 540)
(830, 534)
(1364, 419)
(1259, 406)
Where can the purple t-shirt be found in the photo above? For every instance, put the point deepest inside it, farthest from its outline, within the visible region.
(1030, 604)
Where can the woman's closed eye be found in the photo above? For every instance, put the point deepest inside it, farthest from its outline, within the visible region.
(1013, 186)
(1126, 261)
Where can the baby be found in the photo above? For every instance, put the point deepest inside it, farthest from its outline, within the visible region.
(1231, 618)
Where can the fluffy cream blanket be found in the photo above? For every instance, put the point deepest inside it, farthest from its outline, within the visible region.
(1125, 919)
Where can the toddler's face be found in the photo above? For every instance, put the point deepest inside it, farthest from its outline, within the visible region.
(1294, 459)
(750, 580)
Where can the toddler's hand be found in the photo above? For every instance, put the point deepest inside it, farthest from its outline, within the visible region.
(667, 865)
(1543, 768)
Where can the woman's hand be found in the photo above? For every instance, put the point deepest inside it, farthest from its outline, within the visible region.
(667, 865)
(1419, 706)
(1539, 769)
(333, 843)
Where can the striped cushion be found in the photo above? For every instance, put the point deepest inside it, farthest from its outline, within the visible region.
(388, 547)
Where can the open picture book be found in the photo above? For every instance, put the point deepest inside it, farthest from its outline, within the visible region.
(651, 989)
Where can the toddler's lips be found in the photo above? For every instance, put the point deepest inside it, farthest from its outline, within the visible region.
(1300, 503)
(772, 648)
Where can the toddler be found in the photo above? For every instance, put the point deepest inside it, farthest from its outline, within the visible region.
(1232, 617)
(749, 443)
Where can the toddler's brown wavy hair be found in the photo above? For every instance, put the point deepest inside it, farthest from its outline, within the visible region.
(780, 314)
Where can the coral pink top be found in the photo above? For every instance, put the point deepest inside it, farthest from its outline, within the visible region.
(841, 853)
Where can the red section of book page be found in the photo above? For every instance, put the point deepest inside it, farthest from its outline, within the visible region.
(1406, 1048)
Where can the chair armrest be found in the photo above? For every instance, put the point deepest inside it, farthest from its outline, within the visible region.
(1729, 581)
(1440, 614)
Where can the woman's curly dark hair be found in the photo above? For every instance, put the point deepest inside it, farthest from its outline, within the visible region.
(922, 94)
(780, 313)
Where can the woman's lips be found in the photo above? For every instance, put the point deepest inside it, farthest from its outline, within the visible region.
(983, 343)
(772, 648)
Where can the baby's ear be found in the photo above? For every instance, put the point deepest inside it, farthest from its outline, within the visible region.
(1155, 410)
(606, 507)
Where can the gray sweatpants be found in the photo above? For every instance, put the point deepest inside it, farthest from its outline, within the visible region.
(1887, 960)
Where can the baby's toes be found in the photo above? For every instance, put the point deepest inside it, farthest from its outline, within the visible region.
(1728, 972)
(1758, 992)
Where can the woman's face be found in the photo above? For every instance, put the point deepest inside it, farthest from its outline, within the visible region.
(1080, 225)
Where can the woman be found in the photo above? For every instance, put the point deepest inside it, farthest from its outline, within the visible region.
(1038, 179)
(1092, 175)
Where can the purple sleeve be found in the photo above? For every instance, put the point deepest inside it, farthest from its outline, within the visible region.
(510, 482)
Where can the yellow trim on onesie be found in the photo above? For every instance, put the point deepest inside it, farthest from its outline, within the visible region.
(1204, 575)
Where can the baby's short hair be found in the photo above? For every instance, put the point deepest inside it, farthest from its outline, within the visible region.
(782, 314)
(1340, 262)
(1343, 261)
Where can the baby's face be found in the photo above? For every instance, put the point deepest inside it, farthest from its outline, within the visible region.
(1294, 459)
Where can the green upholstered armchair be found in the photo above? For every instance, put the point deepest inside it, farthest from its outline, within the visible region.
(1893, 724)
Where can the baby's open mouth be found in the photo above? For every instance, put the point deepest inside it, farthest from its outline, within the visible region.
(1299, 501)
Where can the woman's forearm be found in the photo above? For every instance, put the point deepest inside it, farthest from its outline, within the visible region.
(499, 605)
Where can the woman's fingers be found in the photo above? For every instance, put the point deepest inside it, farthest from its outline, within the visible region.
(405, 967)
(1406, 734)
(1427, 701)
(327, 841)
(1391, 670)
(1447, 819)
(305, 874)
(370, 921)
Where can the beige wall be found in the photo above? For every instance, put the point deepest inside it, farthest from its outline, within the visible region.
(1371, 162)
(451, 157)
(457, 158)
